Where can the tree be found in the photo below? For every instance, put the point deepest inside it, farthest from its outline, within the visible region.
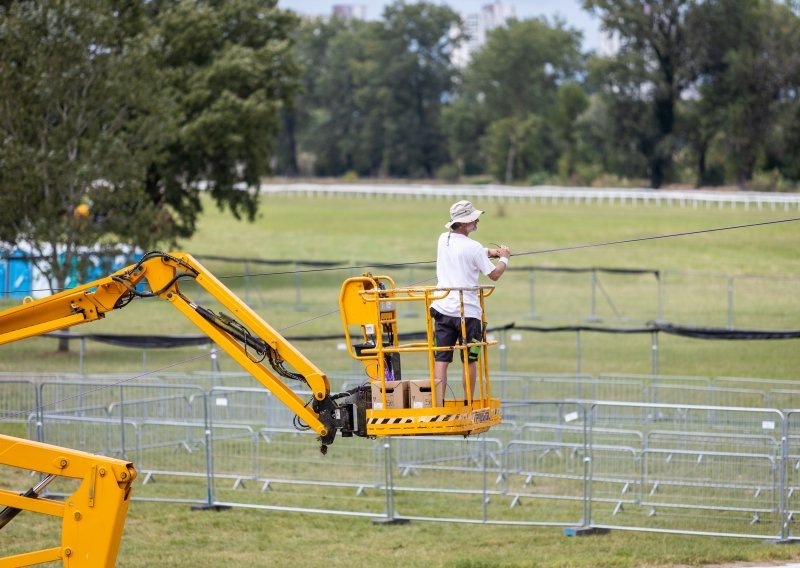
(112, 114)
(464, 123)
(630, 134)
(759, 76)
(572, 101)
(413, 55)
(653, 67)
(345, 103)
(517, 148)
(230, 72)
(714, 29)
(513, 81)
(700, 122)
(81, 116)
(521, 66)
(782, 152)
(134, 106)
(312, 53)
(747, 81)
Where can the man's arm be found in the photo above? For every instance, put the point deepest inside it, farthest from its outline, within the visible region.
(503, 253)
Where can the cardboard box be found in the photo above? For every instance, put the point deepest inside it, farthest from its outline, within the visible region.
(396, 395)
(419, 395)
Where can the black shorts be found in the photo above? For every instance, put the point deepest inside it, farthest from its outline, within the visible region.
(447, 332)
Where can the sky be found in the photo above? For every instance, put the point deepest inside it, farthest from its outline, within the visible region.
(570, 11)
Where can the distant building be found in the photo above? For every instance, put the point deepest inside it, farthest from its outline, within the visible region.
(610, 44)
(496, 15)
(477, 27)
(350, 11)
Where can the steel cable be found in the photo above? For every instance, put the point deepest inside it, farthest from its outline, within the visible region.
(536, 252)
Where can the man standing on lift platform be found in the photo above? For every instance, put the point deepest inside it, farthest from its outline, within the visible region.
(459, 262)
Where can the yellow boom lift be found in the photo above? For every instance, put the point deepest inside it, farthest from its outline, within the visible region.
(93, 516)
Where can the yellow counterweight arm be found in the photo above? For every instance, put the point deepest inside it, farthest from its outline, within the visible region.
(92, 517)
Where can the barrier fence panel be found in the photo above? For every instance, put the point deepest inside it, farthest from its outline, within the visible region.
(446, 477)
(595, 294)
(623, 387)
(523, 412)
(780, 394)
(655, 388)
(559, 295)
(289, 471)
(783, 398)
(267, 461)
(758, 301)
(131, 400)
(235, 451)
(175, 463)
(592, 294)
(792, 487)
(755, 383)
(620, 296)
(704, 469)
(706, 480)
(96, 435)
(547, 386)
(256, 407)
(289, 456)
(708, 395)
(509, 387)
(19, 404)
(580, 350)
(544, 465)
(696, 298)
(121, 403)
(158, 402)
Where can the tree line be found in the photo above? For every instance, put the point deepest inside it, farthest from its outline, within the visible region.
(116, 114)
(698, 92)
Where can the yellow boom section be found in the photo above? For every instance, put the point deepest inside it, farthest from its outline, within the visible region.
(246, 337)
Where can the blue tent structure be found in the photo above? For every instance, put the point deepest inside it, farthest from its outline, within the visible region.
(16, 275)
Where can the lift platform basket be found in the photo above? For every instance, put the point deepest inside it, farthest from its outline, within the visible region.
(369, 316)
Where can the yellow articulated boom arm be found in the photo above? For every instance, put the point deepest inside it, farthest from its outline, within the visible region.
(245, 336)
(93, 516)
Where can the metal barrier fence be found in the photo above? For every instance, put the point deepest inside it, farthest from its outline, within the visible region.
(684, 468)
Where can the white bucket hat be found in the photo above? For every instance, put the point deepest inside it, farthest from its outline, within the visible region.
(463, 212)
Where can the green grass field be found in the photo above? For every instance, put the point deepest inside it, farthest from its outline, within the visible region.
(360, 231)
(174, 536)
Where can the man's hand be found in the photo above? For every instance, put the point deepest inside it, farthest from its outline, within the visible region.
(498, 252)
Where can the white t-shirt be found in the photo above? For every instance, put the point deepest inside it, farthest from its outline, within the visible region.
(459, 262)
